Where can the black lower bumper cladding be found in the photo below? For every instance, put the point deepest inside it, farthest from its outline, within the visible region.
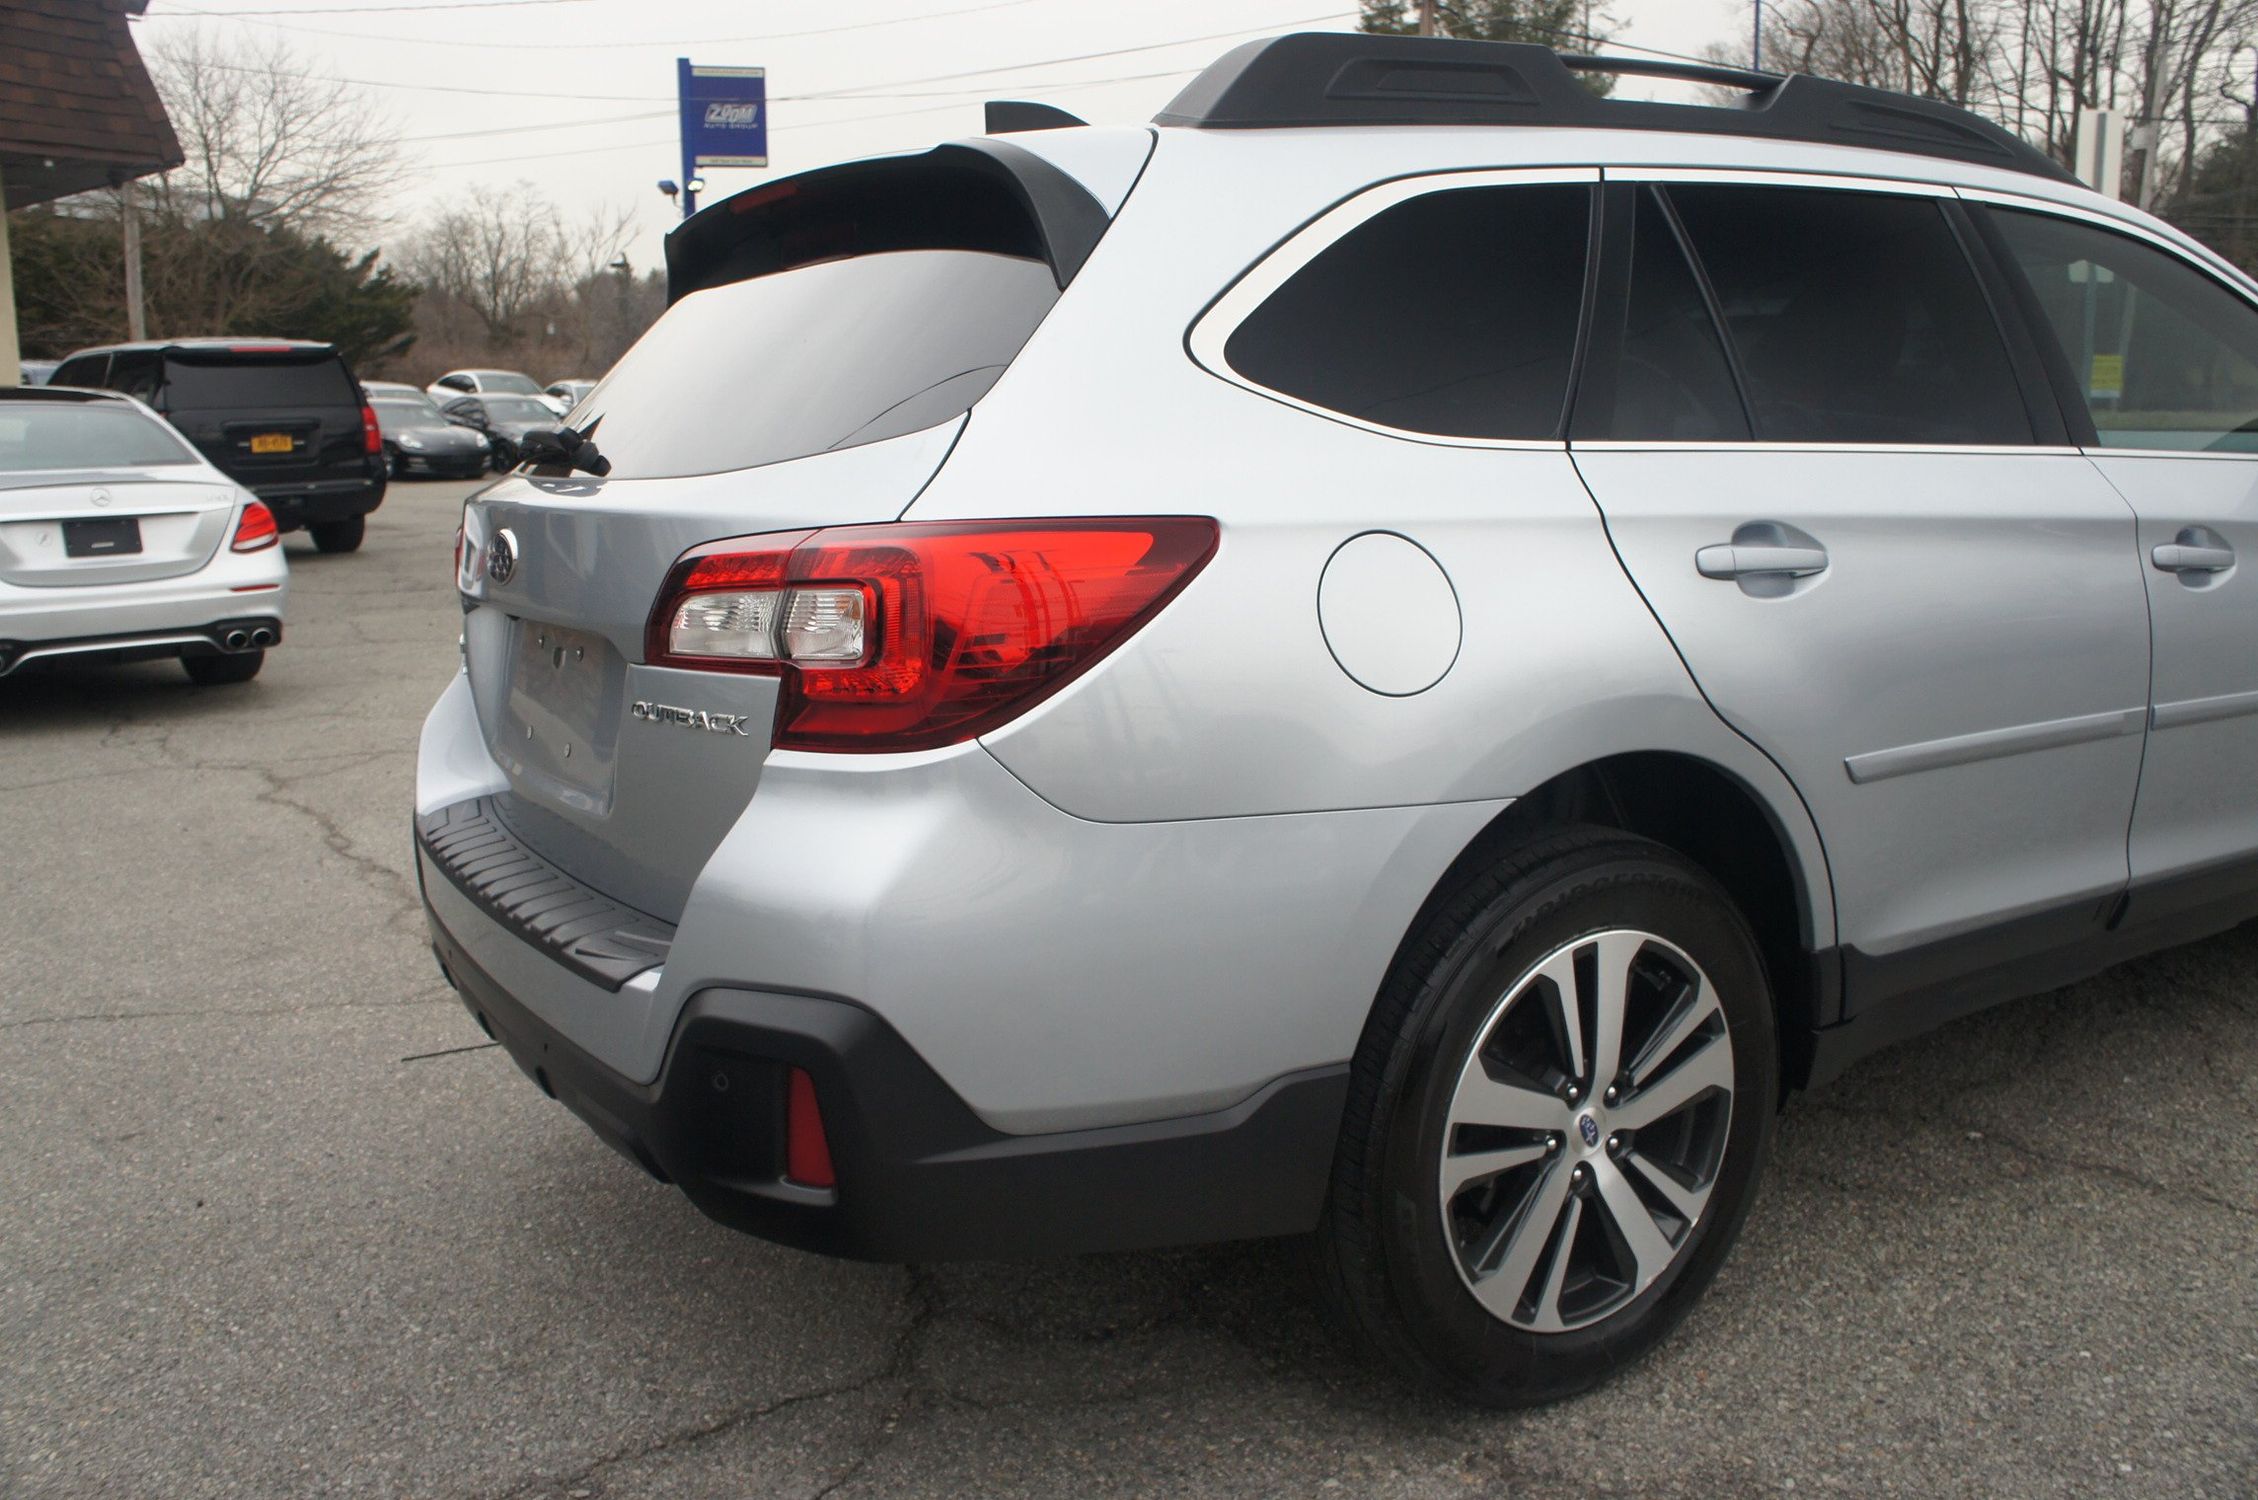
(919, 1176)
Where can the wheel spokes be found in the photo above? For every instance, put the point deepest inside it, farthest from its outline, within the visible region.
(1548, 1319)
(1649, 1248)
(1472, 1166)
(1690, 1014)
(1482, 1100)
(1567, 1009)
(1513, 1248)
(1611, 990)
(1684, 1201)
(1708, 1067)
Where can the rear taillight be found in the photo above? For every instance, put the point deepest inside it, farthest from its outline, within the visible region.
(909, 636)
(372, 437)
(255, 528)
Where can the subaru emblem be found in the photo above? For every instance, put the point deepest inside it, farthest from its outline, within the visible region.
(1588, 1128)
(501, 556)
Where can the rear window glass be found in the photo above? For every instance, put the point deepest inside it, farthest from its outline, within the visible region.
(407, 413)
(816, 358)
(503, 380)
(517, 409)
(206, 385)
(1454, 313)
(1856, 316)
(73, 435)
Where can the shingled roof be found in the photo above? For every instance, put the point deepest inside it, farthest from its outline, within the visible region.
(77, 109)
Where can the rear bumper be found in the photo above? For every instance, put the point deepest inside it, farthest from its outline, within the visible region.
(919, 1176)
(165, 616)
(315, 501)
(223, 637)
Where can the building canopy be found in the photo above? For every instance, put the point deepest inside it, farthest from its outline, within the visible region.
(77, 108)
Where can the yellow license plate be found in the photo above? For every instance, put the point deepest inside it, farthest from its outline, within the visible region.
(272, 442)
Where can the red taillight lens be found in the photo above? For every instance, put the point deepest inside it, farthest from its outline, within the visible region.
(807, 1151)
(909, 636)
(372, 437)
(255, 529)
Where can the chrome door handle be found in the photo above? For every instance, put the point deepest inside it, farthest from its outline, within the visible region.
(2180, 557)
(1744, 560)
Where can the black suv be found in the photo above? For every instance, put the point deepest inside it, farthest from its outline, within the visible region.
(282, 417)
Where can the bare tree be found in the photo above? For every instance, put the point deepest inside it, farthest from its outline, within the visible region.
(270, 143)
(511, 259)
(2032, 64)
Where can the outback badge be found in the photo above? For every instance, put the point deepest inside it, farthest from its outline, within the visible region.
(689, 718)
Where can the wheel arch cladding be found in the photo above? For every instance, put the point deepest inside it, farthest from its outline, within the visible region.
(1710, 816)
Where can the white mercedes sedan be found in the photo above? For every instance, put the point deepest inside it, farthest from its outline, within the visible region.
(119, 542)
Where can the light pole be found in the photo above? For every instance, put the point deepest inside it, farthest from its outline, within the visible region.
(1756, 41)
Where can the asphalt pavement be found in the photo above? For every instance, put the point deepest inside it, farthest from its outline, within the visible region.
(273, 1222)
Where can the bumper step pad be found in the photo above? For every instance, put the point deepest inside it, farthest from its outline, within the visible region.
(588, 932)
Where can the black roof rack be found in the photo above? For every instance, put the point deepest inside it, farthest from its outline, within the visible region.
(1348, 78)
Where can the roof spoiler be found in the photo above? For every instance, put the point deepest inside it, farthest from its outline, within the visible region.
(1348, 78)
(978, 195)
(1011, 116)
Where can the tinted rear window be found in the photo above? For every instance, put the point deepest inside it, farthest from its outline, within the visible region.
(209, 385)
(1856, 316)
(517, 409)
(815, 358)
(89, 435)
(1454, 313)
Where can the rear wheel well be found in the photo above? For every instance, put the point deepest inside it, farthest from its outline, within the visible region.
(1705, 814)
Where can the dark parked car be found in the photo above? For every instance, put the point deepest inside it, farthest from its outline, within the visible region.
(504, 419)
(282, 417)
(420, 440)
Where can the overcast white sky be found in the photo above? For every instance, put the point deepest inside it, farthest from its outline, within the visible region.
(576, 96)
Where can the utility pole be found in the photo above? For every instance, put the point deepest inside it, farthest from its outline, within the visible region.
(136, 317)
(1426, 17)
(2148, 135)
(1756, 41)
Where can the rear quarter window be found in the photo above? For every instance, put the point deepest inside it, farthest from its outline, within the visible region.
(1454, 313)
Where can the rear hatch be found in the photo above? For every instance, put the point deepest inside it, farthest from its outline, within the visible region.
(99, 492)
(827, 337)
(268, 414)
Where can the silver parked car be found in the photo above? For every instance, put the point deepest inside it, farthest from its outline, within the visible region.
(120, 542)
(1108, 688)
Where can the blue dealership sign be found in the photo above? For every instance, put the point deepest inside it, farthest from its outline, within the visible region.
(724, 117)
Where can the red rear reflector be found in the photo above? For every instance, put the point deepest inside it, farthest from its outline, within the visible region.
(963, 625)
(807, 1154)
(372, 437)
(255, 529)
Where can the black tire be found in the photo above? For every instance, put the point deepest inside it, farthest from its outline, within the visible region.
(214, 670)
(1382, 1247)
(339, 536)
(505, 455)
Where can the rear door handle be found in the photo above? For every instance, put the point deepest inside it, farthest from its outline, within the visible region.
(2182, 557)
(1744, 560)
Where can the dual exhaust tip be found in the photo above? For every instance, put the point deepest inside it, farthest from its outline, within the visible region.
(245, 640)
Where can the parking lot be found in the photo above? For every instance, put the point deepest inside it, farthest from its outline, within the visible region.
(273, 1221)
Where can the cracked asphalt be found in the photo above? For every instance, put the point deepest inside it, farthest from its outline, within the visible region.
(273, 1223)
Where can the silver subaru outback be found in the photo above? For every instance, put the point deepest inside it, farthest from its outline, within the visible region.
(1394, 658)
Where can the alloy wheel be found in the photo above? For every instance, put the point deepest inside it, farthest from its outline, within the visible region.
(1586, 1130)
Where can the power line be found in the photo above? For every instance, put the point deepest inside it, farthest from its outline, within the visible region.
(892, 114)
(843, 93)
(252, 18)
(374, 10)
